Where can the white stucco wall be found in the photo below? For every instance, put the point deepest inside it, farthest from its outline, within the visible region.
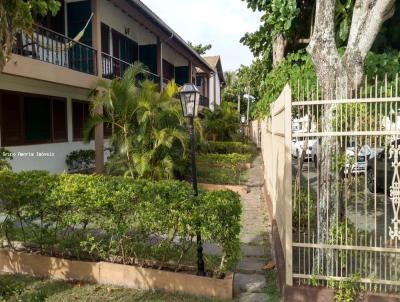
(173, 57)
(30, 157)
(217, 90)
(117, 19)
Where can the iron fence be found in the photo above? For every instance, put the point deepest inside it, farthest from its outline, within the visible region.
(341, 201)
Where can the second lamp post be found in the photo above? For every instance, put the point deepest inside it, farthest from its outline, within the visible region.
(190, 98)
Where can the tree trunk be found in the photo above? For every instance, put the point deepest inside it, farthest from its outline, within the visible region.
(278, 50)
(338, 77)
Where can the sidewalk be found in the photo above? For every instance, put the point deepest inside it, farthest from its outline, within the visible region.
(251, 279)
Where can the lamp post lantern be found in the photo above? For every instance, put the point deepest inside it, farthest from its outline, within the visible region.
(190, 99)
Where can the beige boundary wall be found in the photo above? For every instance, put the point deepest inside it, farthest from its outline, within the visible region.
(273, 135)
(115, 274)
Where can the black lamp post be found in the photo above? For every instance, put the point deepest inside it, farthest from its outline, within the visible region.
(190, 98)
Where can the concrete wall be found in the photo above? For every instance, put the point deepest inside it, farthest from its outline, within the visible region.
(51, 156)
(212, 89)
(174, 57)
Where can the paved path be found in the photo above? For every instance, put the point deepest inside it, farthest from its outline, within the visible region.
(250, 282)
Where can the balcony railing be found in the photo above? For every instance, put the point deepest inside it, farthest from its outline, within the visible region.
(204, 101)
(115, 68)
(49, 46)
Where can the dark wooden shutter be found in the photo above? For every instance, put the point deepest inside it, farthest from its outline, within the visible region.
(77, 120)
(60, 120)
(168, 70)
(11, 119)
(37, 119)
(105, 38)
(116, 43)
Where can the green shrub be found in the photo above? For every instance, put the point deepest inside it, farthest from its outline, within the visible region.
(79, 160)
(116, 219)
(225, 160)
(220, 213)
(222, 168)
(5, 157)
(228, 147)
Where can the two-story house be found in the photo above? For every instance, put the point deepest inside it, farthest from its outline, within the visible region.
(44, 87)
(211, 85)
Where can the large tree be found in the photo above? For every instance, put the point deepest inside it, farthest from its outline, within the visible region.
(367, 19)
(16, 16)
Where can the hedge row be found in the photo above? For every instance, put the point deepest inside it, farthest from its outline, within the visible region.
(225, 160)
(228, 147)
(117, 219)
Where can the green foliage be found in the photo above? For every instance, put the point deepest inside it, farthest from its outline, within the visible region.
(222, 168)
(222, 123)
(225, 160)
(18, 15)
(79, 160)
(221, 211)
(117, 219)
(149, 132)
(228, 147)
(5, 157)
(278, 19)
(349, 289)
(296, 69)
(304, 209)
(200, 48)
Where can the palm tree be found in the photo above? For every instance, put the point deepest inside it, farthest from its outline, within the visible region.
(230, 78)
(149, 135)
(222, 123)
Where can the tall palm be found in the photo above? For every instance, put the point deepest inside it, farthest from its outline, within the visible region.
(222, 123)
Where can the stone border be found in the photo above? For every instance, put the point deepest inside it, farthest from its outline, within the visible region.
(241, 190)
(308, 293)
(115, 274)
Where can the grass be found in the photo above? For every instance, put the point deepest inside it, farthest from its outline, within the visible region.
(29, 289)
(272, 288)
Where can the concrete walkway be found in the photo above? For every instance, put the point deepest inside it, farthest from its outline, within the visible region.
(250, 281)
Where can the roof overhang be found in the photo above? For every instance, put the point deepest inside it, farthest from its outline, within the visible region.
(144, 15)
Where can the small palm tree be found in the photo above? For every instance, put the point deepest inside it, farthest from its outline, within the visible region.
(222, 123)
(149, 135)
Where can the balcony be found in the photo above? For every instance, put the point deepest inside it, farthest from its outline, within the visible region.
(54, 48)
(115, 68)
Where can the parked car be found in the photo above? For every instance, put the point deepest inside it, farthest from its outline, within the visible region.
(298, 146)
(358, 165)
(379, 168)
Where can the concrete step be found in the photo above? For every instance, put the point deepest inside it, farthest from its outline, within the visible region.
(251, 266)
(251, 283)
(253, 297)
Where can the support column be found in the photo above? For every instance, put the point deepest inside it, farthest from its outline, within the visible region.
(160, 71)
(99, 130)
(190, 75)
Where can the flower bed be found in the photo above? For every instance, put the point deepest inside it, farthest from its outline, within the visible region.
(118, 220)
(114, 274)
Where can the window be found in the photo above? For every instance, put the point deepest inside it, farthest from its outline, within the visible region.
(32, 119)
(11, 120)
(80, 115)
(124, 48)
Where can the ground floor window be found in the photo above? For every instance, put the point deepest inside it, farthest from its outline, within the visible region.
(28, 119)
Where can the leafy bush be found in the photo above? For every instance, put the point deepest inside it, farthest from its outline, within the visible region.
(81, 160)
(228, 147)
(116, 219)
(5, 156)
(225, 160)
(222, 123)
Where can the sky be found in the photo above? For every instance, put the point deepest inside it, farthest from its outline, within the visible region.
(218, 22)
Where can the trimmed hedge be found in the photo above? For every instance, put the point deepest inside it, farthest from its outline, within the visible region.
(117, 219)
(228, 147)
(225, 160)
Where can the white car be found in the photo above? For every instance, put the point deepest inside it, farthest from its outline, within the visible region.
(358, 165)
(298, 147)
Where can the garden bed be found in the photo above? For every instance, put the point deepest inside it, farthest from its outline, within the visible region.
(115, 274)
